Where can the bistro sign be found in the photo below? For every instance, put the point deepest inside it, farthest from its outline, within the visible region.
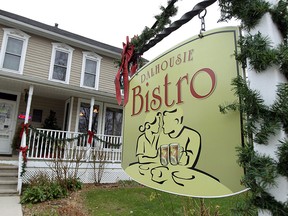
(175, 138)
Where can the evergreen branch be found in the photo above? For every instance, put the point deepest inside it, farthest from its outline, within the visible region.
(162, 20)
(249, 15)
(260, 120)
(260, 171)
(258, 50)
(266, 201)
(280, 106)
(282, 153)
(279, 15)
(251, 101)
(229, 107)
(282, 58)
(268, 127)
(244, 207)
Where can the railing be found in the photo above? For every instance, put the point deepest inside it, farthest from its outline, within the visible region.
(54, 144)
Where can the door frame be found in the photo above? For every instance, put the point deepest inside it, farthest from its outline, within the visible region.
(15, 120)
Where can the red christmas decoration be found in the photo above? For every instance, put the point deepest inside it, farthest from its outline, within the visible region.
(24, 128)
(90, 136)
(24, 153)
(127, 53)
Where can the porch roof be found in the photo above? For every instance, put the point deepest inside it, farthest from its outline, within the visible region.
(14, 82)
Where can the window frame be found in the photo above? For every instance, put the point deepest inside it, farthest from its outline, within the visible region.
(18, 35)
(107, 105)
(93, 57)
(62, 48)
(99, 128)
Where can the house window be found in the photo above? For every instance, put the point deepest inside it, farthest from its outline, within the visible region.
(61, 59)
(113, 121)
(90, 70)
(13, 51)
(37, 115)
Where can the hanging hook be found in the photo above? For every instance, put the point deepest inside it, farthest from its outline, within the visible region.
(202, 29)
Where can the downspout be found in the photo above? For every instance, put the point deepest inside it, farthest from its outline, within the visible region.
(23, 140)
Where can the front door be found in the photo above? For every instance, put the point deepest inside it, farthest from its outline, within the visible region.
(7, 118)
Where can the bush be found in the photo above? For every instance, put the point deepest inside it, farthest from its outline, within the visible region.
(42, 188)
(73, 184)
(41, 193)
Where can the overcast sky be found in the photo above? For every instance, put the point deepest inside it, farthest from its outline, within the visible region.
(110, 21)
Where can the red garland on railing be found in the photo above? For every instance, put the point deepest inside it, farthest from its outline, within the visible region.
(90, 136)
(24, 152)
(127, 53)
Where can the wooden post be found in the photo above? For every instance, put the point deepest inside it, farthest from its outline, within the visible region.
(23, 140)
(266, 83)
(88, 145)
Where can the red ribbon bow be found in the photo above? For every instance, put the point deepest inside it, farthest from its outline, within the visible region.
(90, 136)
(24, 152)
(24, 128)
(127, 53)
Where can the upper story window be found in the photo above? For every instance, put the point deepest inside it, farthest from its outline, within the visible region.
(13, 50)
(61, 59)
(90, 70)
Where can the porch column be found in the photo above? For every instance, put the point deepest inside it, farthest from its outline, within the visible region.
(266, 84)
(91, 113)
(23, 140)
(88, 145)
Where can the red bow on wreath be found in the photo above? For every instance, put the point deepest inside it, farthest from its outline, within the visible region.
(24, 128)
(24, 152)
(127, 53)
(90, 136)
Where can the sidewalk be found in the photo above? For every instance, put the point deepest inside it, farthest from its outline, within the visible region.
(10, 206)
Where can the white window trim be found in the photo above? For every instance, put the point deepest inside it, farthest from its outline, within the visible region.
(17, 34)
(63, 48)
(104, 115)
(94, 57)
(100, 114)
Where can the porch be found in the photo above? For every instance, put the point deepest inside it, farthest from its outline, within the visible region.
(90, 157)
(45, 144)
(88, 135)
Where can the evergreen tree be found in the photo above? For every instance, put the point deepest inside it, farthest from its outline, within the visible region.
(51, 121)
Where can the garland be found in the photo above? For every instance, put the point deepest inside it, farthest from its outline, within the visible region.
(89, 135)
(280, 17)
(261, 121)
(261, 55)
(24, 150)
(132, 50)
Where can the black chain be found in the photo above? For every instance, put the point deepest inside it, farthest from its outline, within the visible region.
(202, 29)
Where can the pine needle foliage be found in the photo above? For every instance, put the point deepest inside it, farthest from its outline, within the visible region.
(250, 14)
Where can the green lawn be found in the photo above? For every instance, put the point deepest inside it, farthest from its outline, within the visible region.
(142, 201)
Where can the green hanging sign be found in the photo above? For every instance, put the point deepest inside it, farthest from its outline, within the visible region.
(175, 138)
